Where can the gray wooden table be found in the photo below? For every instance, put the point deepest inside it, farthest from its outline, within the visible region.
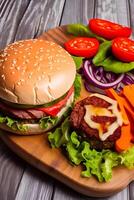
(20, 19)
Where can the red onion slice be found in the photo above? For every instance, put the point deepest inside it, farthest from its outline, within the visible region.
(89, 74)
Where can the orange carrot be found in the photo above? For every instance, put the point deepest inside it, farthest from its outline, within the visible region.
(128, 107)
(111, 93)
(128, 92)
(124, 142)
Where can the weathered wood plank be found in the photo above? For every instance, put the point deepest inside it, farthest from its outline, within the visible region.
(131, 191)
(39, 17)
(11, 171)
(78, 11)
(11, 13)
(131, 8)
(35, 186)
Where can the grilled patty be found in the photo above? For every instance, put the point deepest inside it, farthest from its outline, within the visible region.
(78, 122)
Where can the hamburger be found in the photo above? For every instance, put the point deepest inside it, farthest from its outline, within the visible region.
(36, 86)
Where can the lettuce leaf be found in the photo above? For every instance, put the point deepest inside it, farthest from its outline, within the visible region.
(78, 61)
(99, 164)
(103, 53)
(128, 158)
(60, 136)
(82, 30)
(45, 121)
(77, 86)
(13, 123)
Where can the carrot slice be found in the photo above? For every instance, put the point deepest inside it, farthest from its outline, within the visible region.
(128, 107)
(128, 92)
(111, 93)
(124, 142)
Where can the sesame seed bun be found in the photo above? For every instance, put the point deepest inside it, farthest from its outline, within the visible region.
(35, 72)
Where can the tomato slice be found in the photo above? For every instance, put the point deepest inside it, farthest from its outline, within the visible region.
(82, 46)
(123, 49)
(108, 30)
(54, 109)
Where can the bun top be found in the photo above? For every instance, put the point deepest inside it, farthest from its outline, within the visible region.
(35, 72)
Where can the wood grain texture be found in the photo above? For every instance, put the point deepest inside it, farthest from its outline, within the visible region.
(26, 19)
(11, 171)
(36, 150)
(78, 11)
(35, 185)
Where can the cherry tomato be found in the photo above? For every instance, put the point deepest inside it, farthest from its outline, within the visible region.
(123, 49)
(82, 46)
(54, 109)
(108, 30)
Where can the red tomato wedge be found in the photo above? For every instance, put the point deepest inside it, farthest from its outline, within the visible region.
(54, 109)
(82, 46)
(108, 30)
(123, 49)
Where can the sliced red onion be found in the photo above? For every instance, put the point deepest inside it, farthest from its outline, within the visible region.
(128, 79)
(89, 74)
(91, 88)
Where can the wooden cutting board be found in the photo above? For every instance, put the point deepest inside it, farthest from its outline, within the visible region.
(36, 151)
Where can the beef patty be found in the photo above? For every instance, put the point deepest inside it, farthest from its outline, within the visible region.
(78, 122)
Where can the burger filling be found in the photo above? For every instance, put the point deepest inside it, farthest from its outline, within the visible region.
(16, 118)
(99, 120)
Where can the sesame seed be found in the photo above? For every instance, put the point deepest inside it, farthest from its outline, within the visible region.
(3, 76)
(18, 83)
(39, 78)
(14, 61)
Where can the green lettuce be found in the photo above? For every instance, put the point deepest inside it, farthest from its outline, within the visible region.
(82, 31)
(45, 121)
(13, 123)
(78, 61)
(116, 66)
(99, 164)
(103, 53)
(77, 86)
(128, 158)
(105, 58)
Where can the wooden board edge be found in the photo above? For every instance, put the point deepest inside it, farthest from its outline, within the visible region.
(55, 174)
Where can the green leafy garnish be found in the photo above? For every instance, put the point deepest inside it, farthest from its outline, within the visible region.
(44, 122)
(82, 31)
(99, 164)
(13, 123)
(116, 66)
(78, 61)
(77, 86)
(105, 58)
(103, 53)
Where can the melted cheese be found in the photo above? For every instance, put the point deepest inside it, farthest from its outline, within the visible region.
(111, 111)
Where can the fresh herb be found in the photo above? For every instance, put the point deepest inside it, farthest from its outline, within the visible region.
(82, 31)
(99, 164)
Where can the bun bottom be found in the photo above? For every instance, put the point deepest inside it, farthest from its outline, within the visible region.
(35, 129)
